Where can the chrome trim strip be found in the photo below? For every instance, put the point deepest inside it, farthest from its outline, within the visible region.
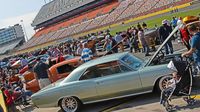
(118, 97)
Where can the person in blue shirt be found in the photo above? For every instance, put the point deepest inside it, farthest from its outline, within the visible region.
(86, 54)
(174, 22)
(195, 44)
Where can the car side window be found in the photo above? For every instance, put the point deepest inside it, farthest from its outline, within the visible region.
(105, 69)
(65, 69)
(91, 73)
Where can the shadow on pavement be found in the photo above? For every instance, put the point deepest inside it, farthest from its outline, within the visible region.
(28, 108)
(196, 105)
(152, 100)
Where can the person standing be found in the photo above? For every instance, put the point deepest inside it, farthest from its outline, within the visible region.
(134, 40)
(185, 36)
(114, 45)
(164, 32)
(60, 58)
(86, 54)
(8, 96)
(142, 40)
(108, 45)
(184, 33)
(144, 26)
(41, 73)
(23, 62)
(179, 21)
(80, 49)
(195, 44)
(50, 62)
(174, 22)
(91, 45)
(119, 39)
(55, 51)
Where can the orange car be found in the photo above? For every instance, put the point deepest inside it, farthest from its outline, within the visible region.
(63, 69)
(57, 71)
(30, 81)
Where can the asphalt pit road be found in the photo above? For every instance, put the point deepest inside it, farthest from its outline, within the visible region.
(150, 103)
(157, 110)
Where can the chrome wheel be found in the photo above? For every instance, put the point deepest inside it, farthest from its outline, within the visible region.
(163, 83)
(69, 104)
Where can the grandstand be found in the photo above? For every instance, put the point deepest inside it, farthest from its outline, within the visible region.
(65, 18)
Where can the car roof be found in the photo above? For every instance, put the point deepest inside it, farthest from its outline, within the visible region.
(73, 60)
(103, 59)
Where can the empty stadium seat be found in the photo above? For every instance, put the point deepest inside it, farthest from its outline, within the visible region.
(116, 13)
(96, 22)
(104, 15)
(82, 26)
(131, 9)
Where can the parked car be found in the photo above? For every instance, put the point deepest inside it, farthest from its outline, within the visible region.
(3, 64)
(63, 69)
(29, 80)
(33, 86)
(66, 57)
(57, 71)
(108, 77)
(32, 62)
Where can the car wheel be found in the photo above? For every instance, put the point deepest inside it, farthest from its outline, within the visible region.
(70, 104)
(163, 82)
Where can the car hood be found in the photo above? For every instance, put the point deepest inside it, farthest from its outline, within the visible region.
(162, 45)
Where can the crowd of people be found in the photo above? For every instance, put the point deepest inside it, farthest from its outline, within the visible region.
(134, 38)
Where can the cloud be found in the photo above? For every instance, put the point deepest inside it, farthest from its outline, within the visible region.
(27, 20)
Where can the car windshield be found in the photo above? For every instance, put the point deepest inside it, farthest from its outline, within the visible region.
(132, 61)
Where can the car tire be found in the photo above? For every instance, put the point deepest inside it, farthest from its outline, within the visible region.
(70, 104)
(162, 83)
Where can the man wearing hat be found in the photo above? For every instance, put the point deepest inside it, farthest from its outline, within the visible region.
(164, 32)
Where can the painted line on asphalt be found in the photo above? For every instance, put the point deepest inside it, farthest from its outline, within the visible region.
(197, 97)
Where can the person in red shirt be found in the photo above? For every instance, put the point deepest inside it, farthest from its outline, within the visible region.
(60, 58)
(9, 99)
(185, 36)
(14, 79)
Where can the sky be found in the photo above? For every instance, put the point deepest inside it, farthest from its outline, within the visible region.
(13, 11)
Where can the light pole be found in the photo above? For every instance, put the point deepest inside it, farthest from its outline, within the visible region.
(23, 27)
